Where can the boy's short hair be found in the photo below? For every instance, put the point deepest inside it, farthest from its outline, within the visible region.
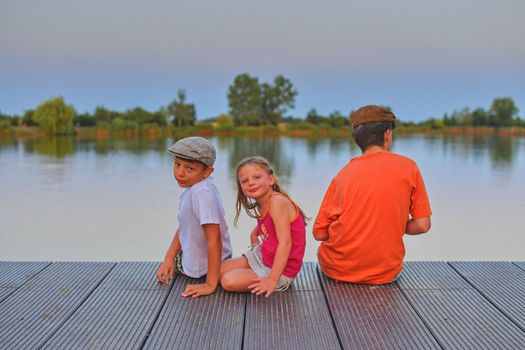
(368, 134)
(194, 148)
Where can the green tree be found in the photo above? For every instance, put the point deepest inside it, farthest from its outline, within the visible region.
(138, 115)
(276, 99)
(224, 121)
(121, 124)
(502, 111)
(184, 113)
(159, 118)
(84, 119)
(9, 120)
(104, 116)
(337, 120)
(27, 118)
(435, 124)
(313, 117)
(480, 117)
(244, 99)
(453, 120)
(4, 115)
(55, 116)
(463, 116)
(5, 122)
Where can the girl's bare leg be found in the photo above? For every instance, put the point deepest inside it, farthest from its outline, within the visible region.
(236, 275)
(235, 263)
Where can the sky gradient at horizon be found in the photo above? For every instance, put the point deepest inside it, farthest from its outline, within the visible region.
(422, 58)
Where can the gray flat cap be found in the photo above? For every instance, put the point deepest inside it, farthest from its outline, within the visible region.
(194, 148)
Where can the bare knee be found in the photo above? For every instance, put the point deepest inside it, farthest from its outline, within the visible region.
(228, 281)
(225, 267)
(233, 264)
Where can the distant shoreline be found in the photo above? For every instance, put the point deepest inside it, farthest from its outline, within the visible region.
(283, 129)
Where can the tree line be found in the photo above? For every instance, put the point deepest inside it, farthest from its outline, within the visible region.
(251, 103)
(502, 112)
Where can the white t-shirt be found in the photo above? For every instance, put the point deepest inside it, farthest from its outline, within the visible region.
(200, 204)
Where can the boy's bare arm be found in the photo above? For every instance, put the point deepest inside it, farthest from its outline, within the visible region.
(174, 248)
(213, 235)
(418, 226)
(167, 268)
(320, 236)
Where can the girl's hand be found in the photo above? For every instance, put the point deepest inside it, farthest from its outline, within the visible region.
(197, 290)
(264, 286)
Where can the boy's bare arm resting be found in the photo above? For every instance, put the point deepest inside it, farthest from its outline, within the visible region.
(320, 236)
(418, 226)
(167, 268)
(213, 235)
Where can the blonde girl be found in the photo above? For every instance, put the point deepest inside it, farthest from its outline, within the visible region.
(278, 240)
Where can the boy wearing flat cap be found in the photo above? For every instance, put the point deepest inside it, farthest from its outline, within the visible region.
(202, 240)
(375, 199)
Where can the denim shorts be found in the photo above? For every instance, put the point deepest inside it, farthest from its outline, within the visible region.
(254, 257)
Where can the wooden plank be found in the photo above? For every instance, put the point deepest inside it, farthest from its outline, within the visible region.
(457, 314)
(211, 322)
(308, 278)
(375, 317)
(503, 283)
(520, 264)
(119, 313)
(79, 305)
(35, 311)
(15, 274)
(295, 319)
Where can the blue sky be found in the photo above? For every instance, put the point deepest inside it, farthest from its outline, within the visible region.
(422, 58)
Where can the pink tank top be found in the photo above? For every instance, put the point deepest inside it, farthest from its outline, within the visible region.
(270, 242)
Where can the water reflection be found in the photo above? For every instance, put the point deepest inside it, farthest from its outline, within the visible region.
(7, 142)
(270, 148)
(312, 146)
(62, 146)
(86, 197)
(135, 146)
(336, 144)
(500, 151)
(54, 147)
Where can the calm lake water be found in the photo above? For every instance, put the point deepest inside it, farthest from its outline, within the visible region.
(64, 199)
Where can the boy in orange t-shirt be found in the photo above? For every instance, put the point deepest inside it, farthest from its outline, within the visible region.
(369, 205)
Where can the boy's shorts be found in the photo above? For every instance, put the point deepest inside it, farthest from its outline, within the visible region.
(254, 257)
(178, 264)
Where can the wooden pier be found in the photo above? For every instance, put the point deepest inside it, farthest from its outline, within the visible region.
(102, 305)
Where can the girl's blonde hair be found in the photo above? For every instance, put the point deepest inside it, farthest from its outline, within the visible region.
(248, 204)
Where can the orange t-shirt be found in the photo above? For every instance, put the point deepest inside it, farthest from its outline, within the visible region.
(364, 212)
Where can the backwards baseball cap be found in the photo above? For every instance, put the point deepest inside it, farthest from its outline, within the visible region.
(194, 148)
(371, 113)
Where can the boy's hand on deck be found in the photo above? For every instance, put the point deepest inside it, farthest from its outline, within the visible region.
(165, 272)
(198, 290)
(264, 286)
